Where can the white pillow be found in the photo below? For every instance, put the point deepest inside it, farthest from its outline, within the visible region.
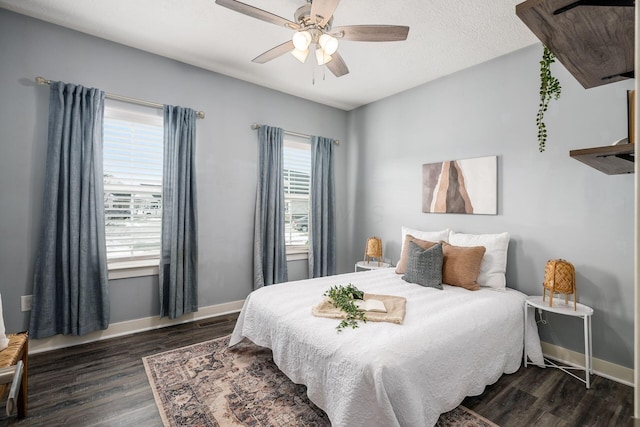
(493, 268)
(432, 236)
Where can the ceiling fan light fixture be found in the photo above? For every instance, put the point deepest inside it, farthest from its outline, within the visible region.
(328, 43)
(322, 57)
(300, 55)
(313, 25)
(301, 40)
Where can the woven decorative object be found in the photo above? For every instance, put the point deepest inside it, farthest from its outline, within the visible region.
(10, 355)
(560, 278)
(373, 249)
(18, 349)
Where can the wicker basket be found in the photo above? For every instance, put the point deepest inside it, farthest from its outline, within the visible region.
(560, 278)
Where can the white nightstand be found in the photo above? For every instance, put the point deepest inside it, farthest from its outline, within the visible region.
(371, 265)
(560, 307)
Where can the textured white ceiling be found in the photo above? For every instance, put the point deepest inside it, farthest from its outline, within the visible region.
(445, 36)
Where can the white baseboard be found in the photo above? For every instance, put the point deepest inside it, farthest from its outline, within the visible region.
(131, 327)
(601, 367)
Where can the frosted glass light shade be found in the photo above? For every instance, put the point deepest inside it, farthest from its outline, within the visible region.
(300, 55)
(328, 43)
(301, 40)
(322, 57)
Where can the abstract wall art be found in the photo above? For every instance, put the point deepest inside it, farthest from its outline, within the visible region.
(467, 186)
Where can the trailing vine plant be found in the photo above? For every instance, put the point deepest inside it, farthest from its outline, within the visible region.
(343, 297)
(549, 89)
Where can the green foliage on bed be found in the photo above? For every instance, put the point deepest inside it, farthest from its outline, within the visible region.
(343, 297)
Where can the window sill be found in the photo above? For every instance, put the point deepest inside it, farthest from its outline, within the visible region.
(297, 254)
(139, 268)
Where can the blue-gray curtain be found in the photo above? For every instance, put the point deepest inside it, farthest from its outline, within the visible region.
(322, 210)
(70, 287)
(179, 249)
(269, 252)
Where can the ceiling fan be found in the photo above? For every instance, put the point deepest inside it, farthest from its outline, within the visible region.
(312, 26)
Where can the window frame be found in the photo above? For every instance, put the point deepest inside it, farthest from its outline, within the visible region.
(142, 265)
(298, 251)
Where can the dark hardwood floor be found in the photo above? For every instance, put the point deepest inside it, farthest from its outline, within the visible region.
(104, 384)
(548, 397)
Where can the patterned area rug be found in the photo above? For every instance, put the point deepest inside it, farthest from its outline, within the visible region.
(208, 384)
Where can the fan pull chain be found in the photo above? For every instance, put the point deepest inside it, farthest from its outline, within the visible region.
(313, 75)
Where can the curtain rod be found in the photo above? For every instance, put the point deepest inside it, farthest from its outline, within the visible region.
(199, 114)
(256, 126)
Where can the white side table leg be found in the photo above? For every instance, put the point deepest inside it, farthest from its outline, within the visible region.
(587, 351)
(590, 347)
(526, 325)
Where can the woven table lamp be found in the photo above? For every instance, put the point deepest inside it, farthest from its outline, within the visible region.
(373, 249)
(560, 278)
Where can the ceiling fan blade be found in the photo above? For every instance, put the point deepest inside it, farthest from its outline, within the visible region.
(274, 53)
(337, 65)
(323, 9)
(254, 12)
(371, 33)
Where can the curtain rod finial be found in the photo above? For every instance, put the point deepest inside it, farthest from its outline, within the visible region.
(255, 126)
(42, 81)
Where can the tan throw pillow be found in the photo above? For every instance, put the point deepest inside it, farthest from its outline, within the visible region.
(461, 265)
(401, 268)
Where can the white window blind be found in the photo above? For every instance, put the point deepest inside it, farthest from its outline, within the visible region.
(133, 151)
(297, 179)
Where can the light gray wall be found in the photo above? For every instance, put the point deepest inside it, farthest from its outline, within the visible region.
(552, 206)
(226, 155)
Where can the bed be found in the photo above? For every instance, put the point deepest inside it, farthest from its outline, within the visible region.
(453, 343)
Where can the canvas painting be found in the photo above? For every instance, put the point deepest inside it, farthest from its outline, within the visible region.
(467, 186)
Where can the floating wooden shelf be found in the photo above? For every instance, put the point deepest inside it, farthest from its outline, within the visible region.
(611, 159)
(595, 43)
(594, 40)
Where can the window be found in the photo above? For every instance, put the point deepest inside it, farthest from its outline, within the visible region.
(133, 151)
(297, 179)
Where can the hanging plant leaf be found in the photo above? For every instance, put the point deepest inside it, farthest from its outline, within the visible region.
(549, 89)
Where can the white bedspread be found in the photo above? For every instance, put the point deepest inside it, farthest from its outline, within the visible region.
(452, 344)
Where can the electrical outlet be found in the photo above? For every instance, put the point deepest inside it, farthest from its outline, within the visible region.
(25, 302)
